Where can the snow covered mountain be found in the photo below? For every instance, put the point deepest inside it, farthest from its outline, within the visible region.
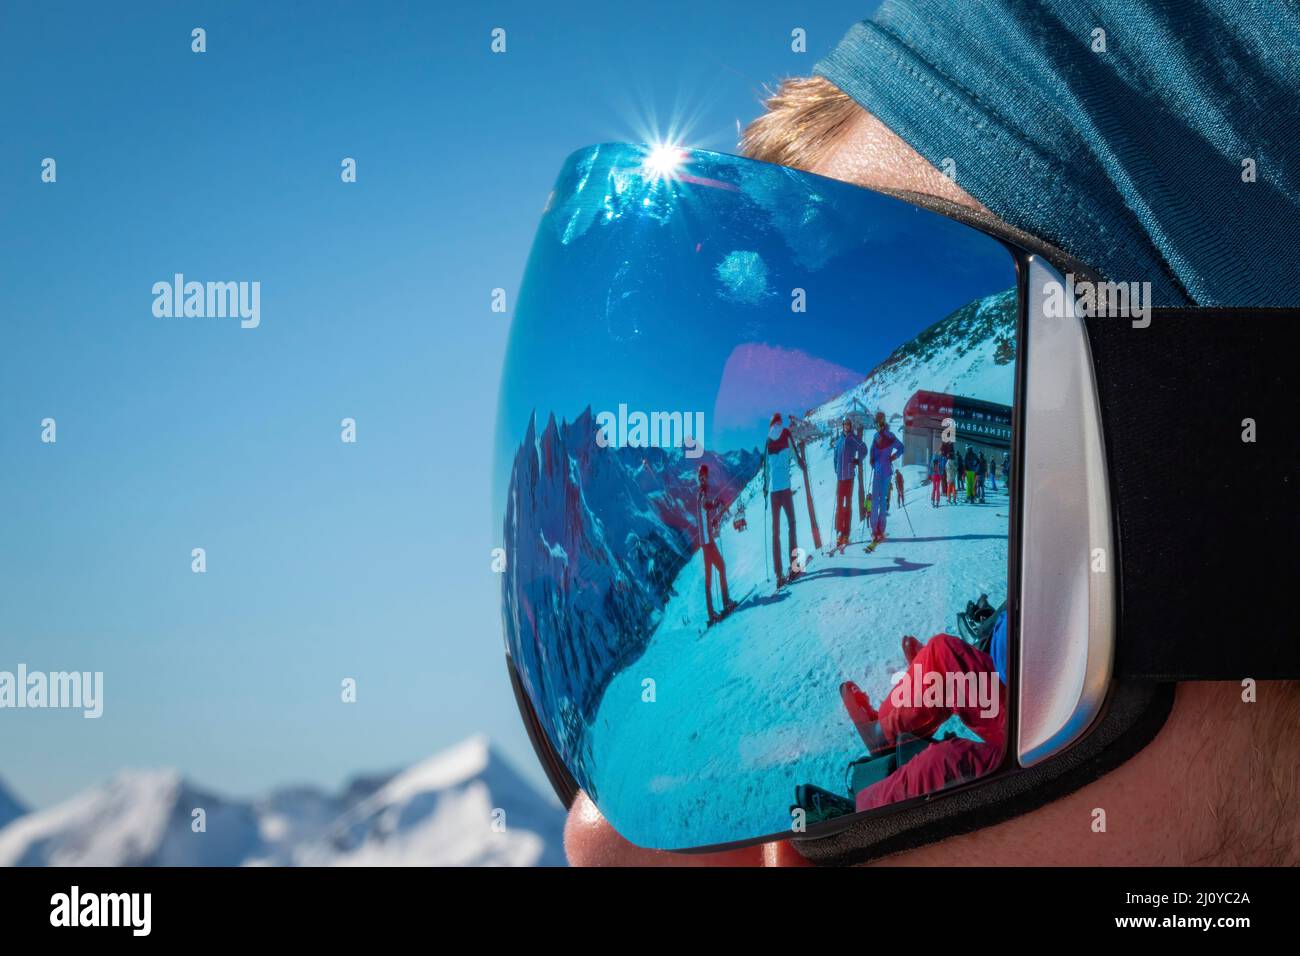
(10, 806)
(584, 586)
(462, 807)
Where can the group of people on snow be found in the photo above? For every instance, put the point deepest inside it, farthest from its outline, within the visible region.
(879, 455)
(780, 451)
(950, 473)
(970, 474)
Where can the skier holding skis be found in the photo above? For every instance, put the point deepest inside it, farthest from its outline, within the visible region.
(848, 454)
(885, 448)
(708, 512)
(776, 478)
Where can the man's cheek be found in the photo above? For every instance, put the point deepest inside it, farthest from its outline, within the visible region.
(589, 840)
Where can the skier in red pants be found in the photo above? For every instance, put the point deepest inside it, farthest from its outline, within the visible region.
(907, 711)
(848, 455)
(707, 514)
(936, 478)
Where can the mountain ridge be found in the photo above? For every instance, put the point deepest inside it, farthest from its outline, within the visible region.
(462, 806)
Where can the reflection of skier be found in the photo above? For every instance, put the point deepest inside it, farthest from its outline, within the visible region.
(849, 452)
(776, 478)
(885, 448)
(708, 512)
(947, 761)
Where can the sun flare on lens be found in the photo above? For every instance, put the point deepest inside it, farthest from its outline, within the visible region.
(663, 161)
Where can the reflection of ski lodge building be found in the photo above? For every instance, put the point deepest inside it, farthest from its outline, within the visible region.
(986, 426)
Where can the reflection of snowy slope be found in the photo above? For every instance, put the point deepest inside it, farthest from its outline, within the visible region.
(970, 353)
(594, 538)
(751, 708)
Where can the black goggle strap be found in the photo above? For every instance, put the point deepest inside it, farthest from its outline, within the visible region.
(1198, 422)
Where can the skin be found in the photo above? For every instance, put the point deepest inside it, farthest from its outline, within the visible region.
(1202, 792)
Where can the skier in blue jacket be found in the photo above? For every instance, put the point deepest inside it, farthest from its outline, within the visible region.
(885, 448)
(849, 450)
(776, 480)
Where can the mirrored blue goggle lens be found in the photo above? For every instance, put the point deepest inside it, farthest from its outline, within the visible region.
(731, 624)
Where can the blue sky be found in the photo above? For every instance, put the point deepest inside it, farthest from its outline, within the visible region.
(325, 560)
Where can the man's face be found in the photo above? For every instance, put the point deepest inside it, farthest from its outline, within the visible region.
(1164, 803)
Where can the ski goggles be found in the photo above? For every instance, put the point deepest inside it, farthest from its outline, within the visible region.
(857, 518)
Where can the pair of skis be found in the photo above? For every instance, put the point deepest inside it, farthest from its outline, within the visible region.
(862, 488)
(807, 560)
(727, 612)
(807, 490)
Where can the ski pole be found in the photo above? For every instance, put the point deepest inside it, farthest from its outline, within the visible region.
(909, 520)
(767, 575)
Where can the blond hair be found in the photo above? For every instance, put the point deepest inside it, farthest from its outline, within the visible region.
(802, 123)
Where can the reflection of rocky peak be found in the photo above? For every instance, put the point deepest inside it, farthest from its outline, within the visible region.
(595, 536)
